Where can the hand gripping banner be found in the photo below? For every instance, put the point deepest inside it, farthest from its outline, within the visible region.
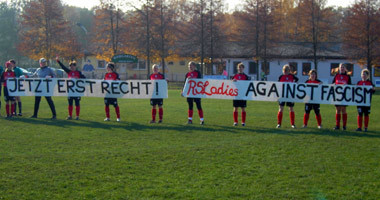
(278, 91)
(136, 89)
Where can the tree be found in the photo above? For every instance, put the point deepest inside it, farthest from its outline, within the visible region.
(361, 36)
(9, 32)
(44, 32)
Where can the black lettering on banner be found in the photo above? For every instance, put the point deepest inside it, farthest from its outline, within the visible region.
(70, 85)
(323, 91)
(358, 93)
(339, 91)
(251, 88)
(30, 84)
(273, 88)
(47, 81)
(301, 89)
(60, 86)
(80, 86)
(261, 91)
(366, 91)
(345, 94)
(114, 87)
(146, 86)
(21, 85)
(290, 89)
(91, 83)
(105, 86)
(312, 86)
(136, 87)
(15, 88)
(157, 88)
(126, 86)
(38, 85)
(283, 90)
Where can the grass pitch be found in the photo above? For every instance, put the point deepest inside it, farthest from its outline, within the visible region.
(132, 159)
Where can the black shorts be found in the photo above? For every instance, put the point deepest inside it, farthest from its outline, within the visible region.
(74, 98)
(289, 104)
(240, 103)
(6, 95)
(364, 109)
(158, 102)
(109, 101)
(196, 100)
(340, 105)
(312, 106)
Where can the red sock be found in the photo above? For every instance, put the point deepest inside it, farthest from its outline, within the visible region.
(305, 118)
(7, 109)
(77, 110)
(279, 117)
(319, 119)
(190, 113)
(200, 113)
(70, 108)
(154, 111)
(117, 110)
(236, 117)
(107, 111)
(13, 108)
(344, 119)
(243, 115)
(337, 119)
(360, 121)
(160, 113)
(292, 118)
(366, 121)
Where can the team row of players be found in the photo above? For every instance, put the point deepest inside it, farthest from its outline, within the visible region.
(44, 71)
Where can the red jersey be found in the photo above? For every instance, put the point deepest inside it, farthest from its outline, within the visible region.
(241, 76)
(366, 83)
(316, 81)
(112, 76)
(75, 74)
(288, 78)
(342, 79)
(193, 74)
(6, 76)
(157, 76)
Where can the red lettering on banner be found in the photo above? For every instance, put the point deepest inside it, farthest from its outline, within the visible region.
(201, 88)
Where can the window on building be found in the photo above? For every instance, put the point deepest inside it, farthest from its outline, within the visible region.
(252, 68)
(182, 62)
(170, 63)
(141, 65)
(293, 68)
(377, 71)
(265, 67)
(306, 67)
(334, 69)
(101, 64)
(235, 66)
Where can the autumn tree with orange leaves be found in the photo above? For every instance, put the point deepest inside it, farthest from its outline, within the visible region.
(45, 33)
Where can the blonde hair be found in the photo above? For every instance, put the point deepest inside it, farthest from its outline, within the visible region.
(192, 63)
(286, 67)
(313, 71)
(155, 65)
(367, 72)
(240, 64)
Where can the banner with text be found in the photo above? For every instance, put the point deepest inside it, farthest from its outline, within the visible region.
(136, 89)
(278, 91)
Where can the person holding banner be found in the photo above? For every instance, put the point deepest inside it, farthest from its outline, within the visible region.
(240, 103)
(112, 76)
(341, 78)
(44, 72)
(18, 74)
(311, 106)
(286, 77)
(366, 110)
(8, 73)
(1, 74)
(72, 73)
(193, 73)
(156, 102)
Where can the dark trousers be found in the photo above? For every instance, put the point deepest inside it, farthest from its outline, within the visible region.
(37, 101)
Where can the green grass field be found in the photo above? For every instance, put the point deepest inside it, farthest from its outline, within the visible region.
(132, 159)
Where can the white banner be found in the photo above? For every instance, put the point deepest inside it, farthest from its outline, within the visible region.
(136, 89)
(278, 91)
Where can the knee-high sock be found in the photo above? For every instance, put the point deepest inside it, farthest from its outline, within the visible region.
(77, 110)
(319, 119)
(107, 109)
(7, 109)
(154, 111)
(117, 110)
(337, 119)
(200, 113)
(292, 118)
(13, 108)
(344, 119)
(360, 121)
(243, 116)
(366, 121)
(305, 118)
(236, 117)
(279, 117)
(70, 108)
(190, 114)
(160, 113)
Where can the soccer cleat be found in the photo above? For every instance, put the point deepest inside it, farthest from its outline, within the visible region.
(336, 128)
(118, 119)
(235, 124)
(53, 117)
(344, 128)
(242, 124)
(20, 114)
(152, 122)
(293, 126)
(8, 116)
(359, 129)
(160, 121)
(278, 126)
(107, 119)
(190, 121)
(77, 118)
(33, 116)
(202, 122)
(304, 126)
(320, 127)
(69, 118)
(365, 129)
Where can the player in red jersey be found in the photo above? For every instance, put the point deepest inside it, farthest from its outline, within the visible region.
(311, 106)
(111, 75)
(341, 78)
(75, 74)
(154, 102)
(366, 110)
(193, 73)
(286, 77)
(240, 103)
(9, 100)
